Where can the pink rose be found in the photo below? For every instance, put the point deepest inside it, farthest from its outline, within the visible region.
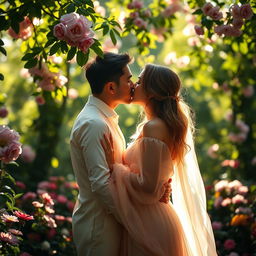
(7, 136)
(3, 112)
(171, 9)
(229, 244)
(11, 153)
(207, 8)
(218, 201)
(134, 15)
(140, 23)
(215, 14)
(69, 19)
(199, 30)
(25, 30)
(237, 22)
(28, 154)
(85, 44)
(137, 4)
(242, 190)
(221, 185)
(78, 31)
(235, 10)
(47, 83)
(60, 31)
(20, 185)
(246, 11)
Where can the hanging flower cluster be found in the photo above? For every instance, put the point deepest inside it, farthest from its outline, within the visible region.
(76, 30)
(49, 80)
(25, 30)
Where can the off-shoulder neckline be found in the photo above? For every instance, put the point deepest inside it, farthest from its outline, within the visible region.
(158, 140)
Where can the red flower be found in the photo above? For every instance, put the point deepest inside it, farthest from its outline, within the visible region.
(23, 216)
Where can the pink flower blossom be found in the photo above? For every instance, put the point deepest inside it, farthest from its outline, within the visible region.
(15, 232)
(20, 185)
(230, 163)
(235, 11)
(28, 154)
(229, 244)
(49, 209)
(212, 151)
(60, 31)
(9, 218)
(25, 30)
(51, 233)
(25, 254)
(239, 199)
(135, 5)
(134, 15)
(244, 210)
(11, 152)
(60, 218)
(147, 13)
(248, 91)
(221, 185)
(140, 23)
(40, 100)
(242, 126)
(227, 201)
(47, 199)
(50, 222)
(23, 216)
(170, 10)
(9, 238)
(242, 190)
(3, 112)
(61, 199)
(216, 225)
(246, 11)
(207, 8)
(215, 13)
(70, 205)
(29, 196)
(199, 30)
(237, 23)
(37, 204)
(85, 44)
(235, 184)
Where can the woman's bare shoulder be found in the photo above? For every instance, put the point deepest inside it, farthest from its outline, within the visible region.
(156, 128)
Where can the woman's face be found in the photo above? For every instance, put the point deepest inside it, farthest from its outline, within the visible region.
(140, 96)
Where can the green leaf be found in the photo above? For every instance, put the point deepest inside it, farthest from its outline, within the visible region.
(63, 46)
(112, 36)
(54, 48)
(116, 32)
(50, 42)
(37, 49)
(1, 42)
(18, 195)
(4, 24)
(82, 58)
(97, 50)
(3, 51)
(28, 56)
(31, 63)
(1, 77)
(71, 8)
(105, 30)
(15, 25)
(198, 11)
(71, 53)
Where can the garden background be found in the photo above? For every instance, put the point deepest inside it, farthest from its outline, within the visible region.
(211, 45)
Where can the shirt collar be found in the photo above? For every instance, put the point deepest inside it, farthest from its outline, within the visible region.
(102, 106)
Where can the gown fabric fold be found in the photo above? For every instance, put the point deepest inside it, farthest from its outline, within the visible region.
(152, 228)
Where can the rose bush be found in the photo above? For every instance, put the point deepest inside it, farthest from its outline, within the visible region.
(232, 208)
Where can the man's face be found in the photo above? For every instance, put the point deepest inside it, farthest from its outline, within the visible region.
(125, 87)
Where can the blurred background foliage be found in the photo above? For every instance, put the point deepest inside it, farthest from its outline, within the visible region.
(208, 70)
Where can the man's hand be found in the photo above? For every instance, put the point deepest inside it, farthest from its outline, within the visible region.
(168, 190)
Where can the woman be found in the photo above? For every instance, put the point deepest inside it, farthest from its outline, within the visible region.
(162, 148)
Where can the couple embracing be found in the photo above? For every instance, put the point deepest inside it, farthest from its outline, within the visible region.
(122, 207)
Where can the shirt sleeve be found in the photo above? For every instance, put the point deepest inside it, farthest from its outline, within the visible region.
(88, 138)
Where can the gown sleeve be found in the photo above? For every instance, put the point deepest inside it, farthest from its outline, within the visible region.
(144, 176)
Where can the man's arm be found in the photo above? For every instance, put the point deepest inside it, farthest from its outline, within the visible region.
(88, 137)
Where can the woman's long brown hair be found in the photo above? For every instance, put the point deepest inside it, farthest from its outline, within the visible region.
(162, 86)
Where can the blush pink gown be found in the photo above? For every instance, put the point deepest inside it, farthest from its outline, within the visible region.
(152, 228)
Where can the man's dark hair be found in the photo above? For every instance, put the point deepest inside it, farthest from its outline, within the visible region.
(106, 69)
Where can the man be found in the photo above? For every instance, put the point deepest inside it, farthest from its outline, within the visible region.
(96, 229)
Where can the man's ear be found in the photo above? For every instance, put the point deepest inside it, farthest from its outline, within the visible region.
(111, 87)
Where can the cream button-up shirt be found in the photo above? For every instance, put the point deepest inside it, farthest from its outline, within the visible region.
(95, 229)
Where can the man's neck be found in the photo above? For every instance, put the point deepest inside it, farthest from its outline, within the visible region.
(107, 101)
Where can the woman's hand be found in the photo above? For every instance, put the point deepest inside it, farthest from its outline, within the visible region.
(107, 144)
